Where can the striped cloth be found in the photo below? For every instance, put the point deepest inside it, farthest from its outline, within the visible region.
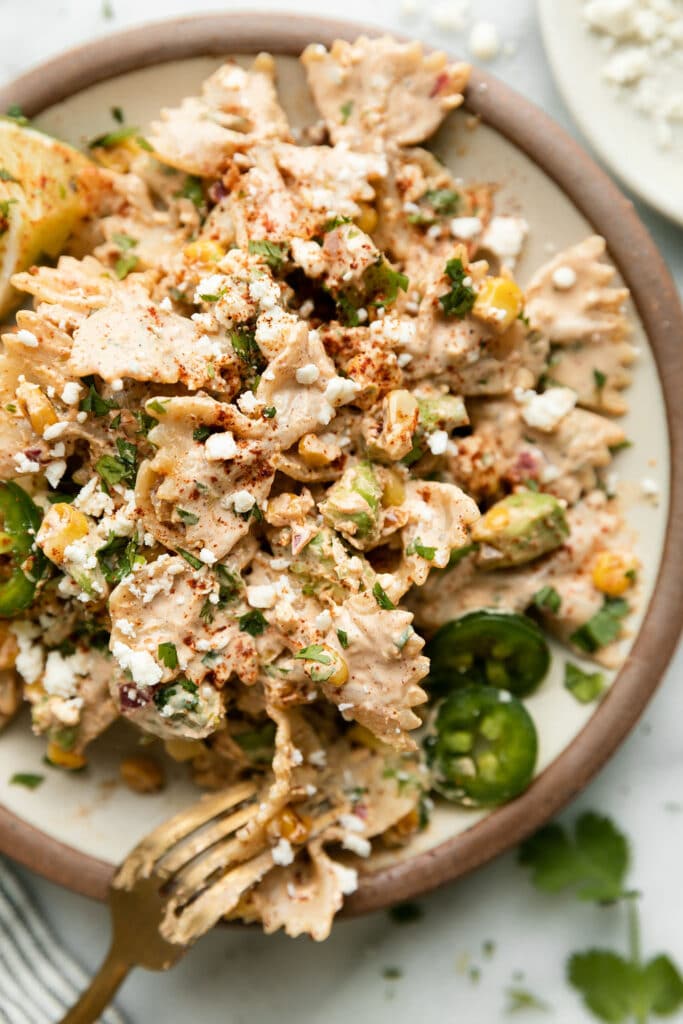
(39, 981)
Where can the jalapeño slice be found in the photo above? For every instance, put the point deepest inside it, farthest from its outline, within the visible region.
(483, 751)
(488, 648)
(21, 564)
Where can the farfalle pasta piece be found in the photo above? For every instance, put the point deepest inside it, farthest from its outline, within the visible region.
(237, 109)
(133, 337)
(573, 298)
(377, 90)
(210, 474)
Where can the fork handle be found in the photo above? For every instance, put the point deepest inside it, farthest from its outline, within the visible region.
(100, 992)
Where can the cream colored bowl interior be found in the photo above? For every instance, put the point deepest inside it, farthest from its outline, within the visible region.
(92, 811)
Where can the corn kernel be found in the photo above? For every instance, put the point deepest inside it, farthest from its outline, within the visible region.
(614, 572)
(203, 250)
(367, 219)
(394, 491)
(496, 519)
(67, 759)
(142, 774)
(333, 670)
(37, 406)
(181, 749)
(289, 825)
(316, 453)
(62, 525)
(499, 302)
(364, 738)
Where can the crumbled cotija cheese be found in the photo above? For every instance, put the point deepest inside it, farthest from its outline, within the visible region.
(644, 57)
(545, 411)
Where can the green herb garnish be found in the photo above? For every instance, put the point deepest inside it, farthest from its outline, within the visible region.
(585, 686)
(168, 655)
(461, 297)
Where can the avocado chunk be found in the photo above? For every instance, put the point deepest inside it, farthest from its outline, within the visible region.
(352, 506)
(520, 528)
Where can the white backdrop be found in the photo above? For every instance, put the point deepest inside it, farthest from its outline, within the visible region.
(245, 978)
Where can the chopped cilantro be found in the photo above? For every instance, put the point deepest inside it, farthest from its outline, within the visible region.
(113, 471)
(416, 547)
(107, 10)
(118, 557)
(254, 623)
(123, 242)
(383, 283)
(406, 913)
(157, 405)
(5, 175)
(201, 433)
(345, 110)
(109, 140)
(244, 345)
(144, 144)
(15, 113)
(193, 190)
(274, 255)
(118, 115)
(548, 597)
(189, 518)
(520, 999)
(343, 638)
(27, 779)
(392, 973)
(600, 379)
(334, 222)
(168, 655)
(93, 401)
(348, 312)
(444, 201)
(125, 265)
(603, 628)
(585, 686)
(315, 652)
(269, 412)
(382, 598)
(183, 693)
(191, 559)
(460, 299)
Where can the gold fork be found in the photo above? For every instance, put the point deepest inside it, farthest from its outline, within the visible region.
(177, 883)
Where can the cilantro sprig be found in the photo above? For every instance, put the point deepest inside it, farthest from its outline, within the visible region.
(594, 863)
(459, 300)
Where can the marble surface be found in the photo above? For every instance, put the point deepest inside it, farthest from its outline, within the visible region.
(237, 977)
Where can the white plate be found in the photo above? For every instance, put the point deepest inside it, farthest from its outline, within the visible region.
(93, 813)
(624, 139)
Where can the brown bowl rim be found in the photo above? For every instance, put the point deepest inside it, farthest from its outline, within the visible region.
(611, 214)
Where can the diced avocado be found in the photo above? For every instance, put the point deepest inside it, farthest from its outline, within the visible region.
(520, 528)
(323, 568)
(352, 505)
(442, 412)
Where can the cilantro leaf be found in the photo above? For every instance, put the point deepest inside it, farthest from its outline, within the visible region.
(246, 349)
(603, 628)
(118, 557)
(607, 982)
(111, 139)
(93, 401)
(189, 518)
(125, 265)
(520, 999)
(123, 242)
(346, 110)
(585, 686)
(273, 254)
(192, 189)
(255, 623)
(416, 547)
(383, 283)
(382, 598)
(168, 655)
(594, 863)
(27, 779)
(201, 433)
(15, 113)
(343, 638)
(600, 379)
(315, 652)
(5, 175)
(444, 201)
(191, 559)
(548, 597)
(460, 299)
